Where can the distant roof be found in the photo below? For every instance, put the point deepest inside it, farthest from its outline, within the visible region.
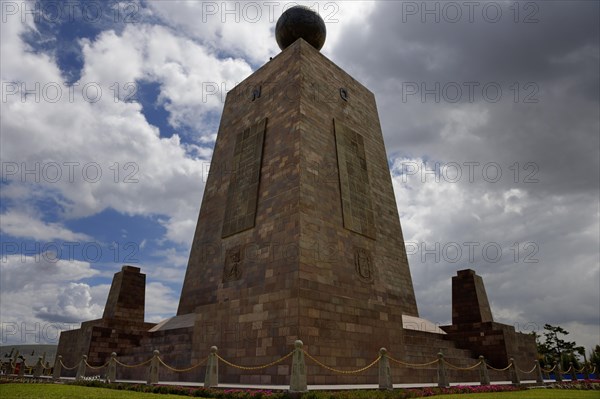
(29, 352)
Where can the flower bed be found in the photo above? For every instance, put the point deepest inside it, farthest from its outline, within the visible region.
(265, 394)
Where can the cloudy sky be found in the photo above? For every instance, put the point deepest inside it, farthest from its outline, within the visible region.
(490, 112)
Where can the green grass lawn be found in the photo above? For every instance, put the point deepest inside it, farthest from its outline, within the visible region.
(58, 391)
(529, 394)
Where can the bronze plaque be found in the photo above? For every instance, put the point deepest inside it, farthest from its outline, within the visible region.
(357, 207)
(242, 195)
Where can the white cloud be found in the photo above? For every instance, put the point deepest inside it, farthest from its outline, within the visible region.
(239, 29)
(39, 297)
(32, 272)
(112, 156)
(161, 302)
(558, 215)
(540, 276)
(74, 303)
(23, 225)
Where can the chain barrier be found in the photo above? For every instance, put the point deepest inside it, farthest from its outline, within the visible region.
(412, 364)
(462, 368)
(527, 372)
(135, 365)
(182, 370)
(255, 367)
(68, 368)
(319, 363)
(549, 370)
(495, 369)
(23, 364)
(342, 371)
(95, 367)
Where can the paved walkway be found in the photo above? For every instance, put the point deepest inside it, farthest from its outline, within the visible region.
(320, 387)
(310, 387)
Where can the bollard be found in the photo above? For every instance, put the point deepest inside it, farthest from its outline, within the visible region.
(514, 373)
(38, 369)
(558, 372)
(211, 377)
(573, 372)
(385, 375)
(298, 378)
(12, 365)
(484, 376)
(22, 368)
(111, 374)
(153, 370)
(442, 377)
(539, 376)
(57, 368)
(81, 368)
(586, 371)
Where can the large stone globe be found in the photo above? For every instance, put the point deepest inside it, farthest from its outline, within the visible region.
(300, 22)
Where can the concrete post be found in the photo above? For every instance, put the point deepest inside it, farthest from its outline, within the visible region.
(81, 368)
(539, 376)
(442, 376)
(57, 368)
(514, 373)
(211, 377)
(298, 379)
(586, 371)
(16, 357)
(22, 367)
(12, 365)
(38, 369)
(573, 372)
(385, 375)
(558, 372)
(153, 370)
(111, 374)
(484, 376)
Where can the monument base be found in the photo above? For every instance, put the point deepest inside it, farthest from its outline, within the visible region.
(248, 335)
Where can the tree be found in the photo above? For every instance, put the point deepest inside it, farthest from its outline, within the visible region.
(554, 348)
(595, 358)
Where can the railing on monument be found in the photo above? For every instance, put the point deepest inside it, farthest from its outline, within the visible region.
(298, 375)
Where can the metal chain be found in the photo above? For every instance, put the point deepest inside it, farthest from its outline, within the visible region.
(549, 370)
(182, 370)
(96, 368)
(255, 367)
(342, 371)
(527, 372)
(462, 368)
(493, 368)
(135, 365)
(412, 365)
(68, 368)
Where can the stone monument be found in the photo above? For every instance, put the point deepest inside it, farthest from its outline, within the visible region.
(298, 237)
